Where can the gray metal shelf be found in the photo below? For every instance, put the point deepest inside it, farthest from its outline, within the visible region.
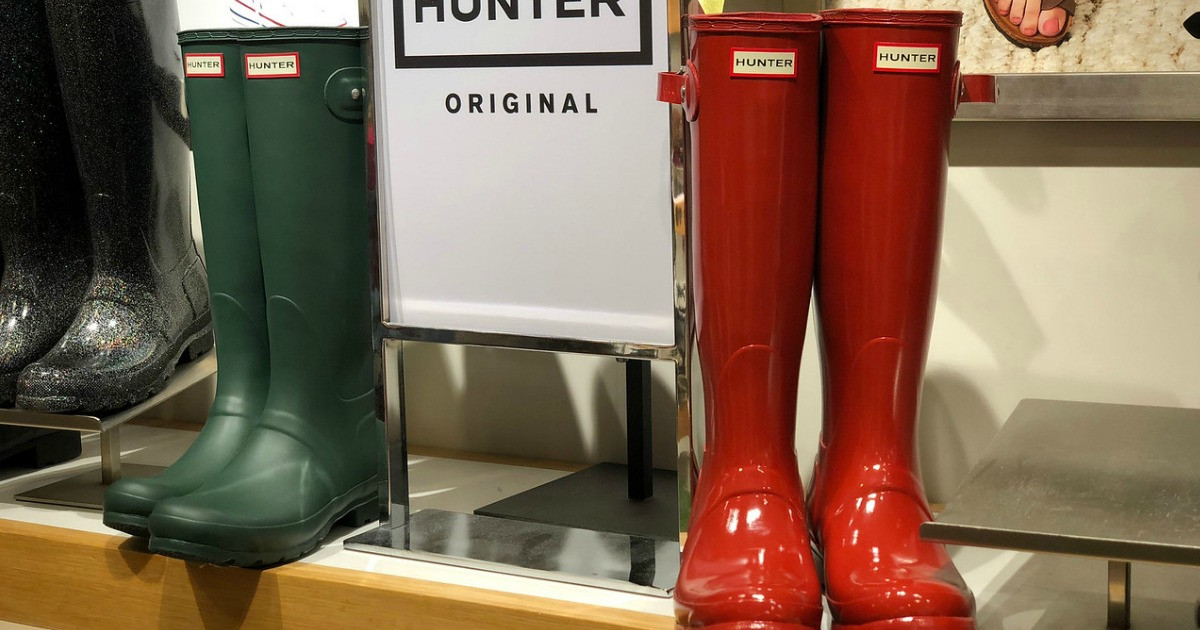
(87, 490)
(1117, 482)
(1150, 96)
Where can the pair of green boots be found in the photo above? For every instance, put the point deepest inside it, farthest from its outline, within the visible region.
(292, 444)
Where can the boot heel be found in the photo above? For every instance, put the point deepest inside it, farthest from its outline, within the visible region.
(361, 515)
(48, 450)
(200, 346)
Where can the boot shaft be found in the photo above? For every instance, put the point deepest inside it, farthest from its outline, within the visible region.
(224, 186)
(891, 81)
(41, 203)
(120, 75)
(304, 96)
(752, 102)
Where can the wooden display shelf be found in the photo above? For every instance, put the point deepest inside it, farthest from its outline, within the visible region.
(53, 577)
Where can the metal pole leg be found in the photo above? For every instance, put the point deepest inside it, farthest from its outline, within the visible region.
(637, 420)
(1118, 595)
(397, 440)
(110, 455)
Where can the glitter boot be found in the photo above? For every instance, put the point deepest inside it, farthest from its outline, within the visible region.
(147, 305)
(43, 230)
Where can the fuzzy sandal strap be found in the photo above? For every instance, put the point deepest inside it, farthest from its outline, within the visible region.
(1065, 5)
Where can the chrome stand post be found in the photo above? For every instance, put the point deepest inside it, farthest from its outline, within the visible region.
(1119, 578)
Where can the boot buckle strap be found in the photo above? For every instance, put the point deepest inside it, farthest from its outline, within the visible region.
(346, 93)
(681, 88)
(672, 87)
(975, 88)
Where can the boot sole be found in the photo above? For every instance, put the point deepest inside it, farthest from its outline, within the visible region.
(193, 347)
(132, 524)
(913, 623)
(355, 516)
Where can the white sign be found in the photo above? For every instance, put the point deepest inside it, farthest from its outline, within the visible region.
(920, 58)
(527, 187)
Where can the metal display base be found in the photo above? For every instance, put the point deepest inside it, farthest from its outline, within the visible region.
(87, 490)
(84, 491)
(1118, 482)
(619, 562)
(595, 498)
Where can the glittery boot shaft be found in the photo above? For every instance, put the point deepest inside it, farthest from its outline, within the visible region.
(119, 71)
(43, 230)
(43, 233)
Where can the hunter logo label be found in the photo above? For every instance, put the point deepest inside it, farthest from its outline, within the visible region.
(509, 33)
(272, 65)
(762, 62)
(918, 58)
(204, 65)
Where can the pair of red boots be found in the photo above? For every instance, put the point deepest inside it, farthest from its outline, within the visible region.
(860, 130)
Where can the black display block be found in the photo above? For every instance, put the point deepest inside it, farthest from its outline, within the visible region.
(597, 498)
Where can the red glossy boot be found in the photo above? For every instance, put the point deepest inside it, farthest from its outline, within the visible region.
(890, 91)
(752, 79)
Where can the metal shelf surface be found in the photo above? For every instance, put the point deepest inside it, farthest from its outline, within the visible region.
(626, 563)
(1118, 482)
(1148, 96)
(87, 490)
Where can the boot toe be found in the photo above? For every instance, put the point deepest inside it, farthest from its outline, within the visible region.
(128, 503)
(48, 389)
(878, 569)
(198, 521)
(110, 358)
(135, 496)
(928, 598)
(747, 561)
(209, 529)
(254, 514)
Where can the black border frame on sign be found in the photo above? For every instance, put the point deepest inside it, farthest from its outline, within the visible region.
(643, 57)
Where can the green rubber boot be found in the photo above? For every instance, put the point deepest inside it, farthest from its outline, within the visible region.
(221, 150)
(312, 460)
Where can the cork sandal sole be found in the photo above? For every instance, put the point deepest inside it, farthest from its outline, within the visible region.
(1012, 32)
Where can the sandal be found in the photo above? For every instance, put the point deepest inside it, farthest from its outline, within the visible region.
(1012, 32)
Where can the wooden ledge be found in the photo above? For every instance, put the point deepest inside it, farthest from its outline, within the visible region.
(63, 578)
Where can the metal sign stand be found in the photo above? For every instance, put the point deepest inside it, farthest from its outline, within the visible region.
(633, 499)
(621, 558)
(87, 489)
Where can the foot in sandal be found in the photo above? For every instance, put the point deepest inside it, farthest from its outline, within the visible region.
(1032, 23)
